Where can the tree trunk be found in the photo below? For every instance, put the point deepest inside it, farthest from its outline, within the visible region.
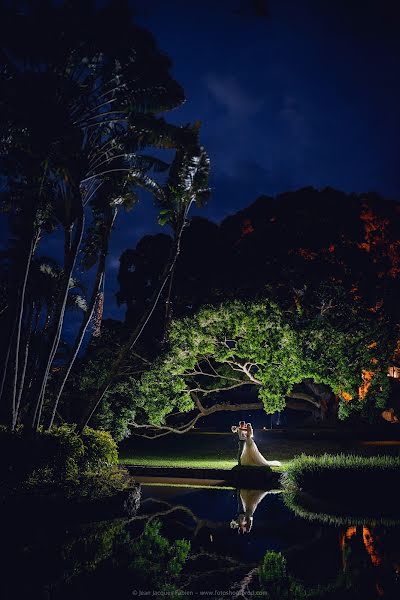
(24, 367)
(168, 306)
(59, 313)
(135, 335)
(20, 313)
(7, 358)
(87, 318)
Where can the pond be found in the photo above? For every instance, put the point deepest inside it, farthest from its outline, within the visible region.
(113, 559)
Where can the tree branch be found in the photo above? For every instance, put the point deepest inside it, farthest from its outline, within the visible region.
(206, 391)
(220, 407)
(203, 411)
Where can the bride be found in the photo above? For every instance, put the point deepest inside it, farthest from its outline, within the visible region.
(251, 456)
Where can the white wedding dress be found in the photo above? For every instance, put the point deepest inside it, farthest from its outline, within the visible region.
(251, 456)
(250, 500)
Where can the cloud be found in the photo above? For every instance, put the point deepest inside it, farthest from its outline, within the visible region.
(113, 263)
(228, 93)
(291, 115)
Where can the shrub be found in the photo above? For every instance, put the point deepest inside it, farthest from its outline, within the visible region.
(100, 450)
(65, 451)
(55, 457)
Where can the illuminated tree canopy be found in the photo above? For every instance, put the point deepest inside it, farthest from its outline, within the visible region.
(260, 344)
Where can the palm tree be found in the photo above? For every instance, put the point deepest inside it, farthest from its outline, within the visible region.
(91, 113)
(186, 185)
(41, 295)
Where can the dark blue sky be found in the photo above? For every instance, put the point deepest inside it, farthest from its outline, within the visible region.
(308, 96)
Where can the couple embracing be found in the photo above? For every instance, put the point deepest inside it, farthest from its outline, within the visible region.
(248, 453)
(249, 456)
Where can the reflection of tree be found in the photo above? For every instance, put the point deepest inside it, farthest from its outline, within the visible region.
(174, 508)
(250, 499)
(274, 582)
(84, 553)
(369, 562)
(104, 554)
(216, 564)
(157, 563)
(58, 559)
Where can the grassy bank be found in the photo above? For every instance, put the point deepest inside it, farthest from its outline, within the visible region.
(218, 451)
(326, 474)
(193, 462)
(333, 486)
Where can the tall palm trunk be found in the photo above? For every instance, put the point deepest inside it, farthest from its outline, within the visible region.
(137, 332)
(168, 306)
(87, 318)
(20, 314)
(59, 315)
(25, 364)
(7, 357)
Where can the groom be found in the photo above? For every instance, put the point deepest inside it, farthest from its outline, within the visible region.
(241, 430)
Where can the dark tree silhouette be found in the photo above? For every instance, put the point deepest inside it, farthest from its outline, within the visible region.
(73, 154)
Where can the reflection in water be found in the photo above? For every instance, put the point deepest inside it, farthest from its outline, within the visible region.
(281, 553)
(370, 558)
(249, 499)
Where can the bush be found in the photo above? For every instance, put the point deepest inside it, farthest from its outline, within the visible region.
(67, 449)
(100, 450)
(55, 457)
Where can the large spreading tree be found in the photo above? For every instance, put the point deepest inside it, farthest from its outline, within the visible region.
(237, 344)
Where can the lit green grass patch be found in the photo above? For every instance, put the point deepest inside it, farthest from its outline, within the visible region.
(185, 462)
(213, 451)
(178, 462)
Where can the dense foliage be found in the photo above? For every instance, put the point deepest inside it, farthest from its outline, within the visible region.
(260, 344)
(285, 246)
(58, 457)
(71, 158)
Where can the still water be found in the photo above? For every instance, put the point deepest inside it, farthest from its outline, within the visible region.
(115, 559)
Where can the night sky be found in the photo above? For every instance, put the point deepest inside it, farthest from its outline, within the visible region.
(307, 94)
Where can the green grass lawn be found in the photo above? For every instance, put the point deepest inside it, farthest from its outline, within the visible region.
(179, 461)
(218, 451)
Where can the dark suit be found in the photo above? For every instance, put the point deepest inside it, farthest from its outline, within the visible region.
(242, 440)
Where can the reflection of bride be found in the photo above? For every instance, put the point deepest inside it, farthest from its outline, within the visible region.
(251, 456)
(250, 500)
